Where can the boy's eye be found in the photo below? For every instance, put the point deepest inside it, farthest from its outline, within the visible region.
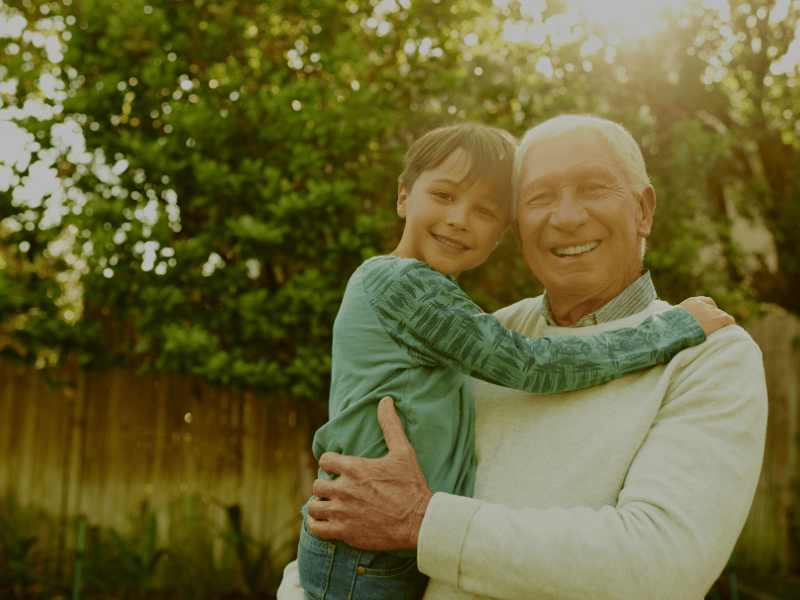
(485, 211)
(442, 195)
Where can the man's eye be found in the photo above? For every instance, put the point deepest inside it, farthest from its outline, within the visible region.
(486, 211)
(594, 187)
(442, 195)
(540, 198)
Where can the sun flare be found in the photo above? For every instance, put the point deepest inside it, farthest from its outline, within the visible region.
(639, 18)
(627, 18)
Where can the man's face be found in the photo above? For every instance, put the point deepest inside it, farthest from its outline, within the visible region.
(452, 222)
(580, 223)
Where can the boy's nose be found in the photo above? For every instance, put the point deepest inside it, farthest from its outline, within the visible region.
(457, 217)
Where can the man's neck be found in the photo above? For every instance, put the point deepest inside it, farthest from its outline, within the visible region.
(567, 311)
(566, 314)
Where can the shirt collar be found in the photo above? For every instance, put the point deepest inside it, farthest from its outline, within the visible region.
(636, 297)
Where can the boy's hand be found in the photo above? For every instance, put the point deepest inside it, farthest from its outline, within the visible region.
(705, 310)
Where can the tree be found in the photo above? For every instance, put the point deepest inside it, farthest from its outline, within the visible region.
(223, 166)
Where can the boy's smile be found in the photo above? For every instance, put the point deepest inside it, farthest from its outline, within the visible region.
(453, 221)
(450, 243)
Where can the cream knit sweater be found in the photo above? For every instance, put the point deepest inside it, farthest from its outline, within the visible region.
(633, 490)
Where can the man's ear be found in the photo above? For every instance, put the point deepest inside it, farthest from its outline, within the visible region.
(402, 197)
(647, 206)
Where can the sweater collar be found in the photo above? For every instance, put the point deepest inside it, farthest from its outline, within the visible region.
(635, 298)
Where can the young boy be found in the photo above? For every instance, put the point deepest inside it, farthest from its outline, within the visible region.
(406, 330)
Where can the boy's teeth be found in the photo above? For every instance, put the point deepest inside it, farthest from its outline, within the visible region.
(575, 249)
(451, 244)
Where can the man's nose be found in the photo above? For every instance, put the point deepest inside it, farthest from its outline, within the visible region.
(568, 211)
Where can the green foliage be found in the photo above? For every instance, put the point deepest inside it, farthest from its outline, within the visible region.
(260, 564)
(136, 563)
(138, 557)
(241, 158)
(17, 570)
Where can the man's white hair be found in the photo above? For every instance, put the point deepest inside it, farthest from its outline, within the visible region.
(625, 152)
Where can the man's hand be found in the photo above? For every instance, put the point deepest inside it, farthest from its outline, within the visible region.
(705, 310)
(376, 503)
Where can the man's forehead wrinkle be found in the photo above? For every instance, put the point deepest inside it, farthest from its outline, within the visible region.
(589, 167)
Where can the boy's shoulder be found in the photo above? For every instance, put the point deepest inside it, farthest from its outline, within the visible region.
(390, 266)
(380, 274)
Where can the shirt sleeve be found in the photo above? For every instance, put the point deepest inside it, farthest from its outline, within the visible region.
(426, 313)
(290, 588)
(683, 504)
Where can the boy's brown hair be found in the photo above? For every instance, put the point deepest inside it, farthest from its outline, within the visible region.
(491, 150)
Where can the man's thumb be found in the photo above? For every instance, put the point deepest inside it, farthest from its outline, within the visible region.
(392, 427)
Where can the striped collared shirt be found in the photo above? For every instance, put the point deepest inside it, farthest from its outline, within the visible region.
(636, 297)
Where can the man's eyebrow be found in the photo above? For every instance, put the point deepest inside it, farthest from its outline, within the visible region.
(537, 183)
(576, 173)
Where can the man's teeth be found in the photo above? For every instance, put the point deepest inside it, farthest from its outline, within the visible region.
(451, 244)
(575, 249)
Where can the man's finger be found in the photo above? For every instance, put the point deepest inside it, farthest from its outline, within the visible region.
(323, 488)
(332, 463)
(319, 528)
(392, 427)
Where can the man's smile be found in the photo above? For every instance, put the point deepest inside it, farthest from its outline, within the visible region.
(575, 250)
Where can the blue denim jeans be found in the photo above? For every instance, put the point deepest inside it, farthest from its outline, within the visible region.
(332, 570)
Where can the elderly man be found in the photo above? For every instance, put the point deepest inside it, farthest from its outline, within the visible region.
(635, 489)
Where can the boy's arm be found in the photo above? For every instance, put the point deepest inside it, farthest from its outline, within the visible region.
(429, 315)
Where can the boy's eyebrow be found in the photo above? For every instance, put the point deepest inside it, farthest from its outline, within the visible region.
(459, 182)
(448, 180)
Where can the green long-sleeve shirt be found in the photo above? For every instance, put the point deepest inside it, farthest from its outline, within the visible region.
(407, 331)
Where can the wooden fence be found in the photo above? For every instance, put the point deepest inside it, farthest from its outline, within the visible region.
(771, 535)
(114, 440)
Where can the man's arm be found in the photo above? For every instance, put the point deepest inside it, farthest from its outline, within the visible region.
(358, 504)
(374, 504)
(683, 504)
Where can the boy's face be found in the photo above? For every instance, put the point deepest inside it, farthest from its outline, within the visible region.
(451, 225)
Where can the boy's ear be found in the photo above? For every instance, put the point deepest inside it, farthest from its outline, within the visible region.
(401, 200)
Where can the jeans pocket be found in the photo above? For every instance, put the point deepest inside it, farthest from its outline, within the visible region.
(390, 576)
(314, 560)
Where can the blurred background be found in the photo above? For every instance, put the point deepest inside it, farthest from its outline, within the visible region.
(186, 186)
